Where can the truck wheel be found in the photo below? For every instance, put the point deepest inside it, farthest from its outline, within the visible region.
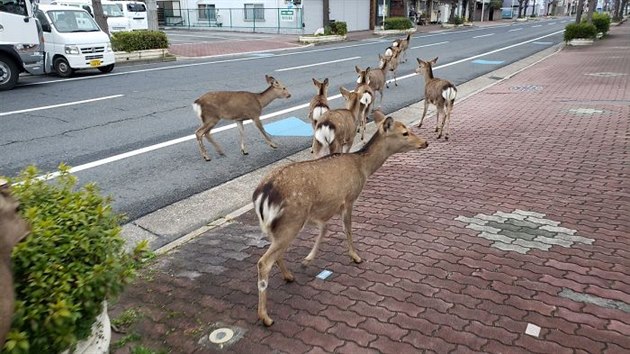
(62, 67)
(9, 73)
(106, 69)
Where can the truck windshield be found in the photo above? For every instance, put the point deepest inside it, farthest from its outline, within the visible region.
(112, 10)
(72, 21)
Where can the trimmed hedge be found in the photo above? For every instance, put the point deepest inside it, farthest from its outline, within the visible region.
(397, 23)
(139, 40)
(601, 21)
(457, 20)
(579, 30)
(339, 28)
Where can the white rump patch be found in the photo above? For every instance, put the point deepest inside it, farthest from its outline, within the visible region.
(389, 52)
(325, 135)
(395, 44)
(449, 93)
(269, 212)
(318, 112)
(366, 99)
(197, 108)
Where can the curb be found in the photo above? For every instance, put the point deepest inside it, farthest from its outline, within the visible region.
(143, 56)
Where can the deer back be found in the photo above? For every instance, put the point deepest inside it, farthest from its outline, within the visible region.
(230, 105)
(319, 103)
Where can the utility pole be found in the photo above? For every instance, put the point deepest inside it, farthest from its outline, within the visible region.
(483, 3)
(152, 15)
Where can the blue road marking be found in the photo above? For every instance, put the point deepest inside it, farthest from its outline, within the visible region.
(487, 62)
(291, 126)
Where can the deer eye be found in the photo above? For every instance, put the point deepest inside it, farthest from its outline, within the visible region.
(406, 134)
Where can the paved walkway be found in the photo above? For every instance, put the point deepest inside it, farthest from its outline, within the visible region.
(512, 237)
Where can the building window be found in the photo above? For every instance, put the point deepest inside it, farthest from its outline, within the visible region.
(207, 12)
(254, 12)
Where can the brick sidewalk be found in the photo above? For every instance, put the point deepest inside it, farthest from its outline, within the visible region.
(521, 218)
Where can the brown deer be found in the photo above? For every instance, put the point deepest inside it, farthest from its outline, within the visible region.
(12, 230)
(438, 92)
(361, 88)
(318, 105)
(238, 106)
(403, 45)
(375, 77)
(393, 56)
(336, 129)
(314, 191)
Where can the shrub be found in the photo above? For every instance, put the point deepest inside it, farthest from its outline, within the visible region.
(457, 20)
(397, 23)
(139, 40)
(579, 30)
(339, 28)
(601, 21)
(71, 262)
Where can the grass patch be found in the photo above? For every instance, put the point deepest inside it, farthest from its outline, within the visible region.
(133, 337)
(145, 350)
(127, 318)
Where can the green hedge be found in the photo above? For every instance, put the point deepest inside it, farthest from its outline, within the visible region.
(601, 21)
(339, 28)
(397, 23)
(579, 30)
(457, 20)
(139, 40)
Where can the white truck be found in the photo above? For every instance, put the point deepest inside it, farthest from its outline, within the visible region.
(116, 19)
(21, 42)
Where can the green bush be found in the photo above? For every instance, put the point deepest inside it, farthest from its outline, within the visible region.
(397, 23)
(139, 40)
(457, 20)
(601, 21)
(339, 28)
(579, 30)
(71, 262)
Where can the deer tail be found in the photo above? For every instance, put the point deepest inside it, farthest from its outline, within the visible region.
(268, 206)
(325, 135)
(197, 108)
(449, 93)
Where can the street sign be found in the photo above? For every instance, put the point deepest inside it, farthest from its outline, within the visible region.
(287, 15)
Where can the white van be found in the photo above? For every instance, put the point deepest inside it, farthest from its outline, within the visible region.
(116, 20)
(136, 12)
(73, 40)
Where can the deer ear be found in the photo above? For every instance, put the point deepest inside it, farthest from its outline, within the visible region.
(434, 60)
(326, 81)
(270, 79)
(357, 69)
(378, 115)
(315, 82)
(419, 61)
(344, 91)
(388, 124)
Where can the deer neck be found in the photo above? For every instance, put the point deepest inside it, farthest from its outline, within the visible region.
(373, 155)
(267, 96)
(428, 74)
(354, 107)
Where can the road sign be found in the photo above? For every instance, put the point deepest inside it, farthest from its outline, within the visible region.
(287, 15)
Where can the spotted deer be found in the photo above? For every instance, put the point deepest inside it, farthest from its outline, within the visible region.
(375, 77)
(362, 88)
(393, 56)
(238, 106)
(318, 105)
(12, 230)
(314, 191)
(336, 129)
(403, 45)
(438, 92)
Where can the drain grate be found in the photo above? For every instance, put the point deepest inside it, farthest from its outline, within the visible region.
(526, 88)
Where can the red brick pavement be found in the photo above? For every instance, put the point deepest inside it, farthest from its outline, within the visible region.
(428, 281)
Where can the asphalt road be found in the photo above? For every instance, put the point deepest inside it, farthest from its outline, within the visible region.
(89, 121)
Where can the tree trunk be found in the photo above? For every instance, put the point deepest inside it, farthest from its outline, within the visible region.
(520, 8)
(471, 9)
(616, 10)
(326, 6)
(451, 17)
(464, 6)
(525, 9)
(579, 10)
(622, 9)
(591, 8)
(534, 9)
(100, 18)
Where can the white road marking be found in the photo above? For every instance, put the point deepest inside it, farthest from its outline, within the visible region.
(536, 26)
(317, 64)
(264, 117)
(429, 45)
(516, 29)
(484, 35)
(59, 105)
(552, 23)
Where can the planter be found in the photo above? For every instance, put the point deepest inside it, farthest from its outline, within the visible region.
(580, 42)
(522, 19)
(394, 32)
(448, 25)
(599, 35)
(141, 55)
(321, 39)
(98, 341)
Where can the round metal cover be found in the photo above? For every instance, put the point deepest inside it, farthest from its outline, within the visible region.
(221, 335)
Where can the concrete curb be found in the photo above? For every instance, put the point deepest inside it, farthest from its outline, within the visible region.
(180, 222)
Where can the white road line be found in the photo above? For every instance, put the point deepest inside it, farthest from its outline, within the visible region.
(484, 35)
(264, 117)
(429, 45)
(59, 105)
(317, 64)
(516, 29)
(552, 23)
(536, 26)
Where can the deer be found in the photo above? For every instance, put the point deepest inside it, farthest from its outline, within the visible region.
(403, 45)
(13, 229)
(361, 88)
(316, 190)
(336, 129)
(393, 54)
(318, 105)
(238, 106)
(375, 77)
(438, 92)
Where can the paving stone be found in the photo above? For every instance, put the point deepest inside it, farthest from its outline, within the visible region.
(542, 221)
(518, 235)
(510, 247)
(558, 229)
(490, 218)
(532, 244)
(575, 238)
(522, 223)
(554, 241)
(487, 229)
(495, 237)
(529, 213)
(474, 220)
(510, 215)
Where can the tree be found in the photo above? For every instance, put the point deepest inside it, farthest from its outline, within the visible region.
(616, 14)
(578, 11)
(534, 9)
(520, 8)
(591, 8)
(99, 16)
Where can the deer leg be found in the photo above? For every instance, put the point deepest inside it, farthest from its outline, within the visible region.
(441, 131)
(286, 274)
(264, 133)
(448, 121)
(346, 214)
(273, 254)
(313, 252)
(395, 78)
(424, 112)
(241, 130)
(437, 120)
(202, 131)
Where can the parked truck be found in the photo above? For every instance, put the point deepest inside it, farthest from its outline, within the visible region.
(21, 42)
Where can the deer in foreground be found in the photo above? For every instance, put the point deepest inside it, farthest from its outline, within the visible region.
(314, 191)
(336, 129)
(238, 106)
(393, 56)
(375, 77)
(12, 230)
(438, 92)
(403, 45)
(318, 105)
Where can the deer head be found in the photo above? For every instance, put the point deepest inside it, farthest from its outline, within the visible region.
(278, 87)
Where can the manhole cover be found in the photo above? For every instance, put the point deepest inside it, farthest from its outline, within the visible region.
(586, 111)
(606, 74)
(221, 335)
(526, 88)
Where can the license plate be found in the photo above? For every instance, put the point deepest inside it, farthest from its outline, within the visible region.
(95, 63)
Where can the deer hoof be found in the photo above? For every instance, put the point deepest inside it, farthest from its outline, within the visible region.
(207, 158)
(306, 262)
(355, 257)
(289, 278)
(273, 145)
(244, 152)
(267, 321)
(445, 137)
(439, 136)
(437, 129)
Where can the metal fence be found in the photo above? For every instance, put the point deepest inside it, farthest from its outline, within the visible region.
(250, 18)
